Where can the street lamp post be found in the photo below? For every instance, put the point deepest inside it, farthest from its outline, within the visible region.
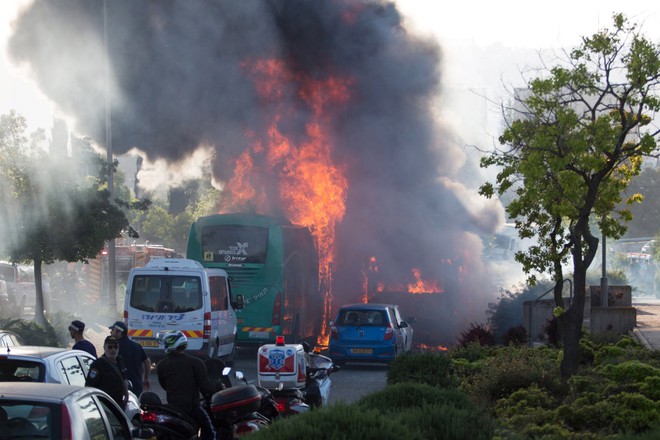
(112, 271)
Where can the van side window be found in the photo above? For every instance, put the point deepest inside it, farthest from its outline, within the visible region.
(219, 299)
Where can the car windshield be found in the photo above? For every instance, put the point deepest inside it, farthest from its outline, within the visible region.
(21, 419)
(374, 318)
(12, 370)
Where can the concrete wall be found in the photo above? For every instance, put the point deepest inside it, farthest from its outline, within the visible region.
(618, 320)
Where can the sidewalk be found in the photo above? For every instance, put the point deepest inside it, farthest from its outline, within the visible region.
(647, 330)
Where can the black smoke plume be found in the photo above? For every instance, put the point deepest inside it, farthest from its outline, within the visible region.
(177, 82)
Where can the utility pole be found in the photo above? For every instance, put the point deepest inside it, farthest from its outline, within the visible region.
(112, 271)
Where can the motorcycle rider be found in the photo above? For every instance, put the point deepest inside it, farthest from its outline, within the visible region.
(183, 377)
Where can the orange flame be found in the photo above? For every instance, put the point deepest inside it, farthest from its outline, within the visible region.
(312, 188)
(425, 347)
(421, 286)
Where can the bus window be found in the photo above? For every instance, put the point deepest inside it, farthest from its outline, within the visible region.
(235, 244)
(219, 300)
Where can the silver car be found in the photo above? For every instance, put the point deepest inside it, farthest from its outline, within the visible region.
(28, 363)
(56, 411)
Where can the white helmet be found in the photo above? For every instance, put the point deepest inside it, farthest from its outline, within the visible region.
(173, 341)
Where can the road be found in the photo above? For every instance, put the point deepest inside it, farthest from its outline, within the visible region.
(349, 384)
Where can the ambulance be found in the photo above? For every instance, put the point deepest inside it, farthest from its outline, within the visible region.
(170, 294)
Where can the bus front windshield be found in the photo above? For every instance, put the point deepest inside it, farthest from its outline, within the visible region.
(234, 244)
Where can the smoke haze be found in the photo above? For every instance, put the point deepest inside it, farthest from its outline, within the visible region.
(177, 81)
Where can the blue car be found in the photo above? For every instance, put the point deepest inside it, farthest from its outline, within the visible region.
(369, 333)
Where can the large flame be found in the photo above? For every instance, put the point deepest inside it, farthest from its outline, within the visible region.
(312, 189)
(423, 286)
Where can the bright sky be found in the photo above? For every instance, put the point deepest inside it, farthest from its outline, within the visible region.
(483, 40)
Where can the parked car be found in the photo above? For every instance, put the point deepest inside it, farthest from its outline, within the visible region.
(9, 339)
(56, 411)
(369, 333)
(53, 365)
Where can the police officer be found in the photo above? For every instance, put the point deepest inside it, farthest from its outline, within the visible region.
(183, 378)
(138, 364)
(107, 373)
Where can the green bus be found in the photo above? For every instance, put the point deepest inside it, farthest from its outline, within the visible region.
(273, 264)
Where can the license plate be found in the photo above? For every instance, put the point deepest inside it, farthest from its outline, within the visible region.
(361, 350)
(148, 343)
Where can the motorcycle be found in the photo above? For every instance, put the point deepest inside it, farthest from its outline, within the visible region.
(234, 412)
(291, 394)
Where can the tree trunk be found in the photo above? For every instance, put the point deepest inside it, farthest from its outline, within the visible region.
(39, 316)
(569, 323)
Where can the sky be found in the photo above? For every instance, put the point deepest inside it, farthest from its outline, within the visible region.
(485, 44)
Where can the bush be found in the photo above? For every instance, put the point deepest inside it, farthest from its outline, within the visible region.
(33, 333)
(477, 333)
(435, 413)
(429, 368)
(511, 369)
(338, 422)
(515, 336)
(471, 352)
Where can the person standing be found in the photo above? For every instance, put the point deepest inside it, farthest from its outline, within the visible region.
(107, 373)
(76, 329)
(138, 364)
(183, 378)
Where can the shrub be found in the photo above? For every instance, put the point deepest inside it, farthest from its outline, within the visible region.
(33, 333)
(477, 333)
(471, 352)
(515, 336)
(618, 413)
(338, 422)
(511, 369)
(395, 398)
(631, 371)
(429, 368)
(433, 412)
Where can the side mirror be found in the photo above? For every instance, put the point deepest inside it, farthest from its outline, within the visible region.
(306, 347)
(403, 324)
(238, 303)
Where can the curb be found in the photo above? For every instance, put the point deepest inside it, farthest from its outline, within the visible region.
(642, 339)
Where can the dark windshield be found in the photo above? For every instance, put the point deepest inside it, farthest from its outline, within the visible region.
(166, 294)
(234, 244)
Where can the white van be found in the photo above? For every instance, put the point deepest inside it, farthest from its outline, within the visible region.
(180, 294)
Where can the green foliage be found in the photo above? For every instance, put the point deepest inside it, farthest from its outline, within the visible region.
(339, 422)
(611, 414)
(436, 413)
(630, 371)
(510, 369)
(472, 352)
(571, 153)
(33, 333)
(430, 368)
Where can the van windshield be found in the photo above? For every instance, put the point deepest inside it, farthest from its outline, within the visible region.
(166, 294)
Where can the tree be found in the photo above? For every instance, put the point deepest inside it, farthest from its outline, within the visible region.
(47, 215)
(583, 130)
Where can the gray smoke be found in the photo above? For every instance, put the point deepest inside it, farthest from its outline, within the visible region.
(178, 81)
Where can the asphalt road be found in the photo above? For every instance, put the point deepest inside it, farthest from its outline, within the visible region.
(349, 384)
